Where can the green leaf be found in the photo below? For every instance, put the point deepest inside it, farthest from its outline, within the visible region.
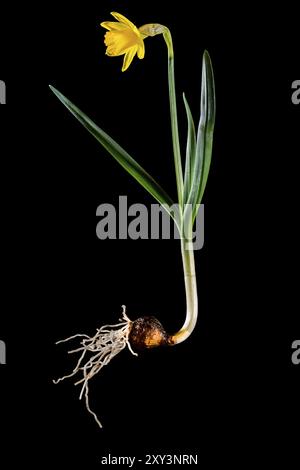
(204, 135)
(190, 152)
(209, 110)
(122, 157)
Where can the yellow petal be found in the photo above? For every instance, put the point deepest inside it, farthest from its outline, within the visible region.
(123, 20)
(128, 58)
(113, 26)
(141, 50)
(111, 52)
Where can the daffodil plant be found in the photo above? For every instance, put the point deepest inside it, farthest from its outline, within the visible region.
(124, 38)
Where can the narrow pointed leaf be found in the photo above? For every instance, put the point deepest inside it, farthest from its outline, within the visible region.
(210, 103)
(122, 157)
(190, 152)
(204, 135)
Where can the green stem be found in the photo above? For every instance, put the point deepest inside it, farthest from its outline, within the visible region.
(173, 112)
(184, 218)
(187, 252)
(190, 281)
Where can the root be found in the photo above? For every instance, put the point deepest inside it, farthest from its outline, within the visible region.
(108, 341)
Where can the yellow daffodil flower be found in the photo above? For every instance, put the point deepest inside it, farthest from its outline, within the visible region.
(123, 37)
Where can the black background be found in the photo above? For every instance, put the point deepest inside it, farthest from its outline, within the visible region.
(229, 392)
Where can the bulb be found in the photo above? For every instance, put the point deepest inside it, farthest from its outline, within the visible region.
(148, 332)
